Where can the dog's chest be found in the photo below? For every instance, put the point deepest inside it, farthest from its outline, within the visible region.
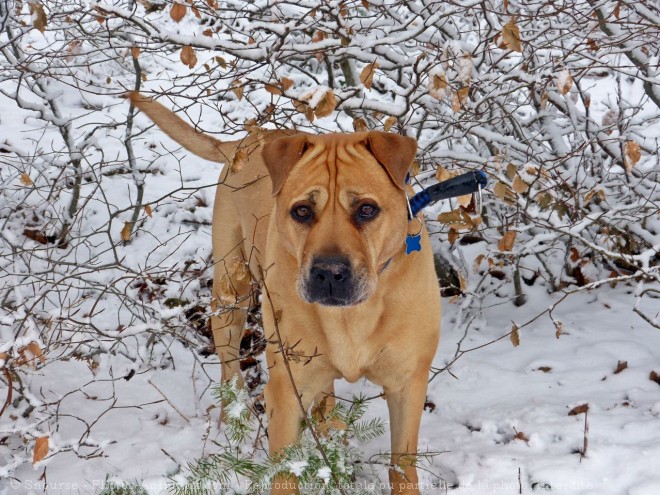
(354, 351)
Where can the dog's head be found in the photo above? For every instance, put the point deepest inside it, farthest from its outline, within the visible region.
(340, 209)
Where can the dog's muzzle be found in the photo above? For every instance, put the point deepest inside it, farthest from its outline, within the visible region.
(330, 282)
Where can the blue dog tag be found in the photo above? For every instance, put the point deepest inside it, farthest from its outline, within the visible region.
(413, 243)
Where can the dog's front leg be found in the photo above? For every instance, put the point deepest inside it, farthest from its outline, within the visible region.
(406, 405)
(285, 414)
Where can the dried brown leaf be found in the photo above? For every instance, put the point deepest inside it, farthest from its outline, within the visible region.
(35, 350)
(511, 171)
(581, 409)
(135, 52)
(511, 36)
(237, 89)
(148, 210)
(188, 56)
(39, 15)
(286, 83)
(460, 98)
(438, 86)
(519, 185)
(40, 449)
(507, 241)
(326, 105)
(632, 154)
(504, 192)
(389, 123)
(360, 125)
(620, 366)
(26, 180)
(515, 335)
(477, 262)
(126, 231)
(452, 236)
(272, 89)
(521, 436)
(564, 82)
(178, 12)
(457, 219)
(367, 74)
(239, 160)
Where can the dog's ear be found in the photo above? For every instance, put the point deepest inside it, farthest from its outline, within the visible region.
(280, 155)
(394, 152)
(180, 131)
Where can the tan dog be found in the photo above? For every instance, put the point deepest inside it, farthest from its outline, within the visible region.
(325, 219)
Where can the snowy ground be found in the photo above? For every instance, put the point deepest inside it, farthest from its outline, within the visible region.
(501, 412)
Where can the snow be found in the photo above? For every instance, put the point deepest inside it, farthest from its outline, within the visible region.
(298, 467)
(324, 473)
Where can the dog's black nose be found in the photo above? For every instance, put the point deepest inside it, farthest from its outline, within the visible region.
(331, 281)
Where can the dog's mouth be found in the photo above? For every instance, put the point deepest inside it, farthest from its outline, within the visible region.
(332, 281)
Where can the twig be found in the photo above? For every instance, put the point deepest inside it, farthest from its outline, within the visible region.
(10, 389)
(168, 401)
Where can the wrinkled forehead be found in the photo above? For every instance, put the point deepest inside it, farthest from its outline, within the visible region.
(338, 162)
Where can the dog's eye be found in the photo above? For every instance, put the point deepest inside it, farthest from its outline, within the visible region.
(301, 213)
(367, 211)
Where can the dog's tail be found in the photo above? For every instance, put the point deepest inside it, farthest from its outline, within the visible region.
(200, 144)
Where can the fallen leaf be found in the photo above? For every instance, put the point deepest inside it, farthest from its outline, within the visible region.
(477, 262)
(126, 231)
(620, 366)
(521, 436)
(515, 336)
(147, 210)
(581, 409)
(26, 180)
(367, 74)
(40, 449)
(655, 377)
(507, 241)
(559, 329)
(286, 83)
